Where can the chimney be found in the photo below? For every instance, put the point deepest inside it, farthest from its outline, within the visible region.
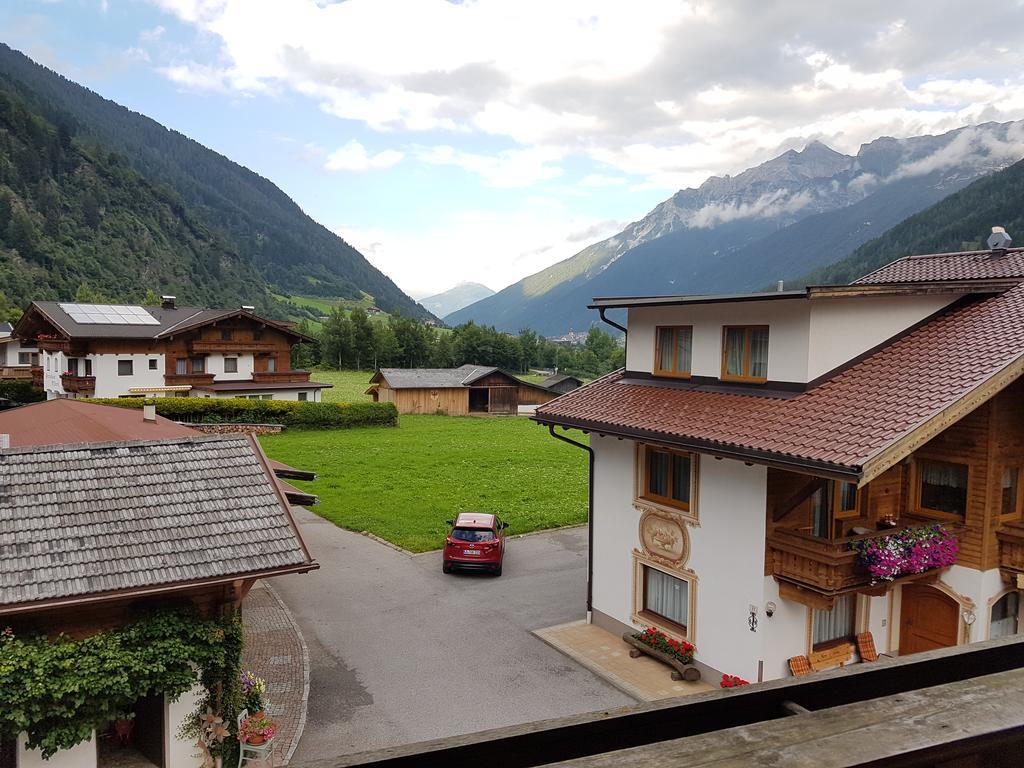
(998, 242)
(5, 442)
(167, 302)
(248, 307)
(149, 412)
(780, 286)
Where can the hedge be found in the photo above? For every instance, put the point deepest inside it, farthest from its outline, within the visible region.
(291, 413)
(20, 391)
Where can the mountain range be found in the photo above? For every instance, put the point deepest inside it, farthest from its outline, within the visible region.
(241, 221)
(462, 295)
(780, 220)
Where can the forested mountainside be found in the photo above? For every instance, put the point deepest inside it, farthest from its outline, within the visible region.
(779, 220)
(75, 219)
(960, 222)
(252, 217)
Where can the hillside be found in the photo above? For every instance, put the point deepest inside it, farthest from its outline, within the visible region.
(76, 219)
(960, 222)
(252, 217)
(462, 295)
(794, 213)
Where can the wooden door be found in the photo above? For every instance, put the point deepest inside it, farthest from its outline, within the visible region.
(148, 733)
(502, 400)
(929, 619)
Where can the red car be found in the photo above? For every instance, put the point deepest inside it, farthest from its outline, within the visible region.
(475, 542)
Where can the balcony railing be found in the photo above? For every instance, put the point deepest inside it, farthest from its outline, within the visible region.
(1011, 551)
(15, 372)
(181, 379)
(827, 566)
(53, 345)
(79, 384)
(281, 376)
(231, 345)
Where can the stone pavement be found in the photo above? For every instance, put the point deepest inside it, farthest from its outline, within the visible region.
(276, 651)
(607, 656)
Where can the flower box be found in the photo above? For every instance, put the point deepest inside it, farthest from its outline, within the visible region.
(914, 550)
(677, 654)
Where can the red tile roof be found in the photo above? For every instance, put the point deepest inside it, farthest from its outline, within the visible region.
(967, 265)
(841, 423)
(59, 422)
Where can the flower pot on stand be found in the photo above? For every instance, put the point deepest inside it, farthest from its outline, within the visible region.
(256, 740)
(259, 714)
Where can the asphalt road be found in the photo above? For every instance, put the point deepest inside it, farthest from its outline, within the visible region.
(401, 652)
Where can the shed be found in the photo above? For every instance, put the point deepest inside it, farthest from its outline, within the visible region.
(561, 383)
(459, 391)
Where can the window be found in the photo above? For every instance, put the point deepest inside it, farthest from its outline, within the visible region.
(88, 367)
(828, 628)
(266, 397)
(253, 397)
(942, 488)
(303, 395)
(152, 363)
(24, 358)
(271, 364)
(745, 353)
(666, 597)
(198, 364)
(257, 335)
(181, 366)
(1005, 613)
(833, 500)
(124, 367)
(1010, 506)
(667, 477)
(230, 365)
(674, 351)
(73, 366)
(225, 334)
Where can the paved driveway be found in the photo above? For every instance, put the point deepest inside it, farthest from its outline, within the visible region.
(401, 652)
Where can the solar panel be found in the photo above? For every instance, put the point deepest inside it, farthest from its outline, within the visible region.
(108, 314)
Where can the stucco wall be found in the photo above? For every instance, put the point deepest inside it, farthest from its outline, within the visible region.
(787, 343)
(615, 527)
(215, 365)
(80, 756)
(312, 395)
(784, 635)
(181, 753)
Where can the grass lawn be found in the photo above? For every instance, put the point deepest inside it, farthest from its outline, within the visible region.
(403, 483)
(349, 386)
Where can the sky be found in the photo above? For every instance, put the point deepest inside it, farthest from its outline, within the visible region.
(485, 140)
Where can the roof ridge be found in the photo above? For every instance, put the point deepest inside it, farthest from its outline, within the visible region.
(89, 446)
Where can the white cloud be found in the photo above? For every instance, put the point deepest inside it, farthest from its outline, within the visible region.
(766, 206)
(354, 157)
(152, 35)
(509, 168)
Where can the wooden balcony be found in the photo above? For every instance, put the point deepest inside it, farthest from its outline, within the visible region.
(53, 345)
(1011, 552)
(287, 377)
(192, 379)
(83, 385)
(37, 376)
(203, 346)
(9, 372)
(828, 567)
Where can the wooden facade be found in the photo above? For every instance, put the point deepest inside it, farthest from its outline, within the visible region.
(987, 442)
(496, 393)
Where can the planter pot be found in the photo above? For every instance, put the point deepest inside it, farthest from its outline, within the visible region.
(255, 740)
(680, 670)
(259, 714)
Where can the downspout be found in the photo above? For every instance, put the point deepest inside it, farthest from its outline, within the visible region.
(612, 323)
(590, 519)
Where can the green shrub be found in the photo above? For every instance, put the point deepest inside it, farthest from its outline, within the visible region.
(291, 413)
(20, 391)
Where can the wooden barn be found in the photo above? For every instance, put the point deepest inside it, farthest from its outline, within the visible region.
(561, 383)
(469, 389)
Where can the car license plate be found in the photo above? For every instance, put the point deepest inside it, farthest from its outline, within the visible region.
(471, 551)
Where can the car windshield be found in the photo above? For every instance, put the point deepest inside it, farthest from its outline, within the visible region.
(473, 534)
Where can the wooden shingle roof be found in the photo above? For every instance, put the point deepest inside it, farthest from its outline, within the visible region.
(85, 521)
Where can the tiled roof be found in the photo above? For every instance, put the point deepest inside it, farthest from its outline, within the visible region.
(72, 421)
(434, 378)
(80, 520)
(842, 422)
(936, 267)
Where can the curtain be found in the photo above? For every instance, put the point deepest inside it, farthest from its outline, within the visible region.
(944, 487)
(734, 341)
(684, 349)
(181, 366)
(759, 353)
(1004, 615)
(665, 349)
(657, 472)
(950, 476)
(1011, 478)
(681, 478)
(198, 365)
(821, 508)
(666, 595)
(837, 623)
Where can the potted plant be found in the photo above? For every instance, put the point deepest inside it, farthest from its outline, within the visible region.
(256, 730)
(732, 681)
(253, 688)
(905, 552)
(678, 654)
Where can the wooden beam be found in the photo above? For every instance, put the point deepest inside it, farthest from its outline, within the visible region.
(798, 498)
(810, 598)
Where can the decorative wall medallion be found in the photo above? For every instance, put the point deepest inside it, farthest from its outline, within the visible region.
(663, 537)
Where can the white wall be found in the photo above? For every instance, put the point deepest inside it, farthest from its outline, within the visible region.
(109, 384)
(312, 395)
(787, 335)
(616, 527)
(80, 756)
(784, 635)
(215, 365)
(841, 329)
(181, 753)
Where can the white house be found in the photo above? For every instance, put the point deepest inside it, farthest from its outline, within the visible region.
(104, 350)
(753, 441)
(17, 357)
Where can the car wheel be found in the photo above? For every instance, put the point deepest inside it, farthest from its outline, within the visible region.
(446, 567)
(497, 570)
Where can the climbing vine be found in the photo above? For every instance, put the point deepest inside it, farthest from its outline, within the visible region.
(58, 690)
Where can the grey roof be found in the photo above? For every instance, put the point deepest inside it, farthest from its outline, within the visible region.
(169, 321)
(558, 378)
(81, 520)
(434, 378)
(5, 327)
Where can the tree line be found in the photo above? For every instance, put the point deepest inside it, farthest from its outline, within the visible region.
(354, 340)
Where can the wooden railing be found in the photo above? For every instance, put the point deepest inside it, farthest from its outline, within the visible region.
(282, 376)
(828, 566)
(181, 379)
(231, 345)
(53, 345)
(1011, 550)
(79, 384)
(15, 372)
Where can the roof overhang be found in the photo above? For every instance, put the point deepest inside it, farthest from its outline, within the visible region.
(186, 326)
